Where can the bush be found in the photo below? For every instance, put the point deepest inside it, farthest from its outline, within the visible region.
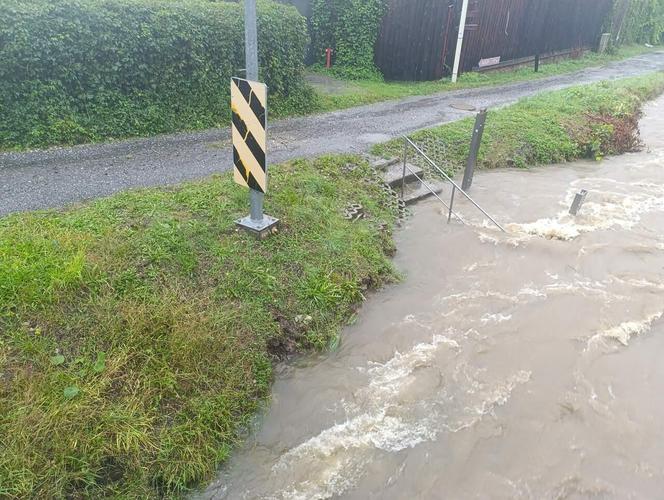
(350, 28)
(81, 70)
(637, 21)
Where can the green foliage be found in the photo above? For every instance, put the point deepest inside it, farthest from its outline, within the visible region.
(80, 70)
(588, 121)
(638, 21)
(350, 28)
(137, 332)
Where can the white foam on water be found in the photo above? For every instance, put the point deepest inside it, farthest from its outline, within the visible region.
(479, 265)
(610, 204)
(495, 318)
(497, 238)
(637, 283)
(529, 291)
(332, 461)
(553, 229)
(486, 238)
(584, 288)
(623, 332)
(385, 375)
(478, 294)
(580, 487)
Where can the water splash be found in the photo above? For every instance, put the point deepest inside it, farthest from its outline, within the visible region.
(378, 421)
(610, 204)
(623, 332)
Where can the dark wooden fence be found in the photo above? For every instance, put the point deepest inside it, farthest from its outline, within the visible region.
(418, 37)
(412, 39)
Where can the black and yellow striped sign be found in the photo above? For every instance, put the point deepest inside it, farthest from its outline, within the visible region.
(249, 105)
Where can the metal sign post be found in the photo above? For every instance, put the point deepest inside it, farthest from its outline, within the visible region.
(475, 144)
(579, 200)
(249, 105)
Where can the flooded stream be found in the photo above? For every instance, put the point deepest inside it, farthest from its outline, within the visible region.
(520, 365)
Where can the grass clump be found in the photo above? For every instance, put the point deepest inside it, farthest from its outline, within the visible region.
(588, 121)
(137, 332)
(368, 91)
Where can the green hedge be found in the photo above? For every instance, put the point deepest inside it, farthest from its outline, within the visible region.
(350, 28)
(82, 70)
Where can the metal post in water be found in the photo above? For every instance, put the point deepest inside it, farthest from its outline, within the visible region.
(405, 158)
(578, 202)
(449, 215)
(475, 144)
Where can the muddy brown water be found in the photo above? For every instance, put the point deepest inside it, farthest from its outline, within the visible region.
(520, 365)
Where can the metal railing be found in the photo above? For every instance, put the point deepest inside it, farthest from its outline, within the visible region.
(455, 187)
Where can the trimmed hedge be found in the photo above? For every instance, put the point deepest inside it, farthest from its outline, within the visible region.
(83, 70)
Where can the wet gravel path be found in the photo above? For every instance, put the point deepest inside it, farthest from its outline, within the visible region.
(57, 177)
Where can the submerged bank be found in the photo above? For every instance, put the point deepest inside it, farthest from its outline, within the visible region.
(518, 365)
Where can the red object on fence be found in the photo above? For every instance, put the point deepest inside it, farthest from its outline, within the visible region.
(328, 58)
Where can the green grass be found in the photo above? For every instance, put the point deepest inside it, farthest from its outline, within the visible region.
(587, 121)
(137, 333)
(361, 92)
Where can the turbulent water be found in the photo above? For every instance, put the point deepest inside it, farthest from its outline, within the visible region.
(520, 365)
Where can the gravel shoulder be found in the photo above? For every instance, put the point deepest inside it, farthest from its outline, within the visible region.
(61, 176)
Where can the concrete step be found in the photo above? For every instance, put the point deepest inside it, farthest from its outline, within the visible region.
(382, 163)
(417, 191)
(393, 174)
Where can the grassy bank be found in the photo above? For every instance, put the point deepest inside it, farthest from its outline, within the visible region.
(349, 93)
(138, 331)
(580, 122)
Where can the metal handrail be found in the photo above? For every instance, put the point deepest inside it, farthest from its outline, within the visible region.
(433, 192)
(455, 186)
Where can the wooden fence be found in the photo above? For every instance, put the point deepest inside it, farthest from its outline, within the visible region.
(418, 37)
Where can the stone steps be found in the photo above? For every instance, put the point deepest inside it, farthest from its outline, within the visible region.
(417, 191)
(414, 191)
(394, 173)
(382, 163)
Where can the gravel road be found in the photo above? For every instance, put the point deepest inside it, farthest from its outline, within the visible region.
(61, 176)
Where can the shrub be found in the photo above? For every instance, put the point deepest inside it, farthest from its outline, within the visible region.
(637, 21)
(350, 28)
(80, 70)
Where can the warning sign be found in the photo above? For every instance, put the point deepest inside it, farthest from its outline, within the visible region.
(249, 106)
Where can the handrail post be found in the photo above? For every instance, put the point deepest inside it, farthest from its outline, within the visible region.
(475, 144)
(403, 174)
(449, 179)
(449, 215)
